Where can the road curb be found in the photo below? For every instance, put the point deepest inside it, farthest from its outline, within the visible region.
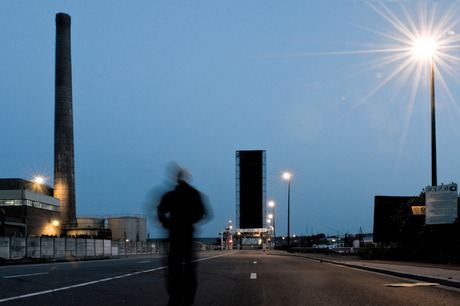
(425, 278)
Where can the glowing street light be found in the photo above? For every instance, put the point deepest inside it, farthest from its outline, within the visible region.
(287, 176)
(423, 39)
(424, 48)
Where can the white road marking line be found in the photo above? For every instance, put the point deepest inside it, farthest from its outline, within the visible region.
(411, 284)
(24, 275)
(143, 262)
(95, 282)
(253, 276)
(255, 262)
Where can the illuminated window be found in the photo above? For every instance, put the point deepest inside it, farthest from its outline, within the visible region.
(11, 202)
(29, 203)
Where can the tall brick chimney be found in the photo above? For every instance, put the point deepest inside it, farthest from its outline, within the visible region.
(64, 167)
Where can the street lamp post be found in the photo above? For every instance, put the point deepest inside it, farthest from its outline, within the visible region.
(433, 130)
(287, 176)
(272, 205)
(269, 233)
(424, 48)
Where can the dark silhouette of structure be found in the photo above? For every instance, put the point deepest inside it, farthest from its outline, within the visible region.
(250, 187)
(64, 168)
(178, 211)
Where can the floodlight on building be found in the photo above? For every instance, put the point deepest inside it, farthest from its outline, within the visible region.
(39, 180)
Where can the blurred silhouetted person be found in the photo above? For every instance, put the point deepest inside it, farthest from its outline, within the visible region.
(178, 211)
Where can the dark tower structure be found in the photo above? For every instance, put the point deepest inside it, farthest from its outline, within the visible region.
(64, 168)
(250, 189)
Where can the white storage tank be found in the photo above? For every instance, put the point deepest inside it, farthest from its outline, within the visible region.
(132, 228)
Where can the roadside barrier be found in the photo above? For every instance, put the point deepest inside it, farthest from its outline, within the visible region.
(62, 248)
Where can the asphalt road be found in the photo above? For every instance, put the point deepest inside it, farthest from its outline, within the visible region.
(228, 278)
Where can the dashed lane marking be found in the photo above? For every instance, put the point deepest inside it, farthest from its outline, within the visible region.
(253, 276)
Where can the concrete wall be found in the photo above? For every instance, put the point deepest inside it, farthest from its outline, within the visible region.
(90, 252)
(70, 247)
(59, 248)
(114, 247)
(33, 247)
(62, 248)
(5, 247)
(47, 246)
(81, 248)
(98, 247)
(18, 248)
(107, 247)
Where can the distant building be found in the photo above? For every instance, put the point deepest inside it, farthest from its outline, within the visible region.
(363, 239)
(335, 242)
(127, 228)
(91, 227)
(28, 209)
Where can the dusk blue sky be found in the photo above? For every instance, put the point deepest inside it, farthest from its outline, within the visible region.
(195, 81)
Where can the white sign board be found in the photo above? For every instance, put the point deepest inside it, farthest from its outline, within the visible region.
(441, 204)
(251, 230)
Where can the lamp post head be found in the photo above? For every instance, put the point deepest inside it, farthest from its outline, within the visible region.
(39, 180)
(424, 47)
(286, 175)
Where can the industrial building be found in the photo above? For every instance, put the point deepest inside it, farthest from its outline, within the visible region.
(90, 227)
(32, 209)
(126, 228)
(28, 209)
